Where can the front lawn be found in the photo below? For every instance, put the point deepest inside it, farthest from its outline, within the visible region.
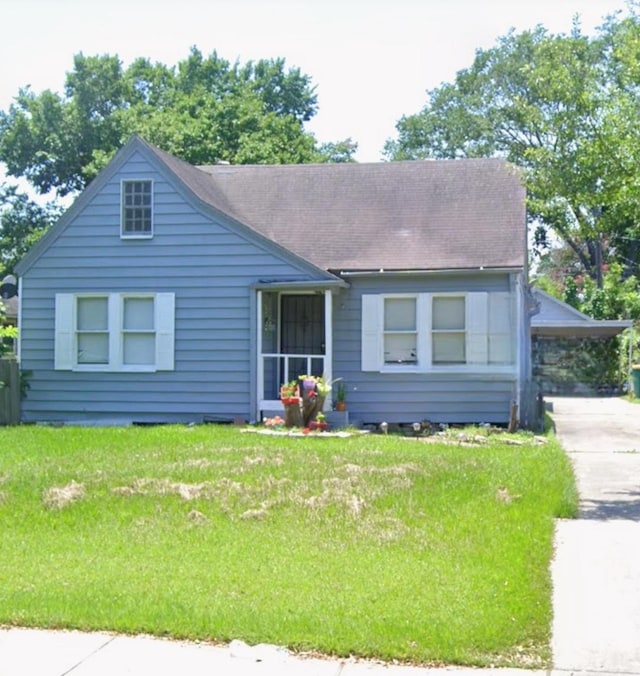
(378, 546)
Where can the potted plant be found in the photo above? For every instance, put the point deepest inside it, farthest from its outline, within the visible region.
(314, 390)
(290, 393)
(341, 397)
(291, 400)
(320, 423)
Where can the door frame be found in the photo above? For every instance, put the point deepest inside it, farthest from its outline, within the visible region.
(263, 404)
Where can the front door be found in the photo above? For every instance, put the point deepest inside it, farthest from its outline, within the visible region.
(302, 331)
(294, 340)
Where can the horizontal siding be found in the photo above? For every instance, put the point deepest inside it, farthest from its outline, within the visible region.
(403, 398)
(210, 266)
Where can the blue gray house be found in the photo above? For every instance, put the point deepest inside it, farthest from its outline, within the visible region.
(169, 292)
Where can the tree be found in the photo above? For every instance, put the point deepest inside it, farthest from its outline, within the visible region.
(22, 223)
(204, 110)
(342, 151)
(564, 109)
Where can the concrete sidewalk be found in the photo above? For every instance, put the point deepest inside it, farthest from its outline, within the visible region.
(596, 569)
(33, 652)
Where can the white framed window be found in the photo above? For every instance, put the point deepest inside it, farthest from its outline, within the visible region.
(400, 330)
(136, 209)
(114, 332)
(92, 330)
(448, 332)
(138, 331)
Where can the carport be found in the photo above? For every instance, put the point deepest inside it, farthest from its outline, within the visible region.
(559, 335)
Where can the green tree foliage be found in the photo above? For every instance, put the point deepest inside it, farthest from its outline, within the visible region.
(564, 108)
(22, 223)
(615, 299)
(8, 334)
(204, 110)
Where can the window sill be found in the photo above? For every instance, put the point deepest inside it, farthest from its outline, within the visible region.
(114, 369)
(141, 236)
(466, 369)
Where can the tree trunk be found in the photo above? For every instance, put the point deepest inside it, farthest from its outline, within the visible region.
(631, 259)
(311, 406)
(292, 415)
(594, 247)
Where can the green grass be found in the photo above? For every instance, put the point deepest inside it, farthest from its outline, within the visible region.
(378, 546)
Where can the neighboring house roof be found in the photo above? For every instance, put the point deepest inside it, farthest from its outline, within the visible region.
(557, 319)
(413, 215)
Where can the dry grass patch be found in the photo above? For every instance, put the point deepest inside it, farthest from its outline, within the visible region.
(351, 490)
(197, 517)
(361, 486)
(58, 497)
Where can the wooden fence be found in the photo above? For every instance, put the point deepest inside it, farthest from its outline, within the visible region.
(9, 392)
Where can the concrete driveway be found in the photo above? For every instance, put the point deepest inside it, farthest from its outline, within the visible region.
(596, 569)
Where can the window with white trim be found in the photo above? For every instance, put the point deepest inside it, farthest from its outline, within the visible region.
(138, 331)
(400, 330)
(92, 330)
(137, 208)
(114, 332)
(448, 334)
(437, 332)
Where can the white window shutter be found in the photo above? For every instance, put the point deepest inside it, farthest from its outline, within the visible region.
(423, 324)
(64, 358)
(477, 324)
(501, 329)
(165, 331)
(115, 331)
(371, 332)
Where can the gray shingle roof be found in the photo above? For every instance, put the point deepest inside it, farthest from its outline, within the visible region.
(415, 215)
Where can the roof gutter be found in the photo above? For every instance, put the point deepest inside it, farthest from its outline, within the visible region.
(415, 272)
(596, 328)
(314, 284)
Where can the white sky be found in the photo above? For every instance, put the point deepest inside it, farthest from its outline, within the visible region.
(371, 60)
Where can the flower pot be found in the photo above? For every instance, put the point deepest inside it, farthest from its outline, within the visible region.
(318, 426)
(341, 406)
(289, 392)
